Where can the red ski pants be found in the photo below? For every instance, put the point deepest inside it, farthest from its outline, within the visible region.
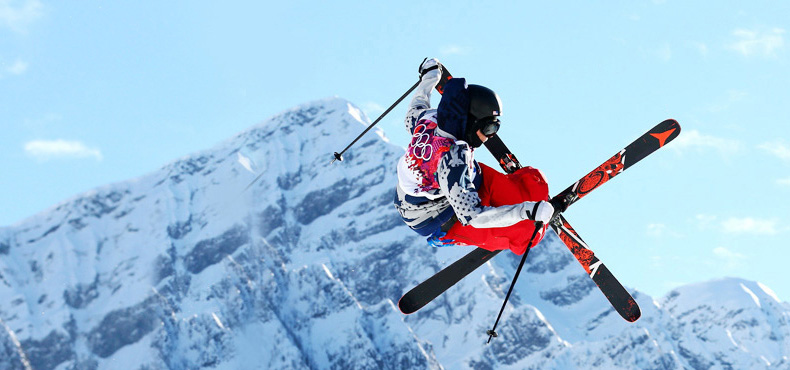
(497, 189)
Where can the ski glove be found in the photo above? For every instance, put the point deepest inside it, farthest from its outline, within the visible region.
(428, 65)
(435, 240)
(538, 211)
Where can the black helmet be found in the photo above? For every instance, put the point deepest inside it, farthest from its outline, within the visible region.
(483, 102)
(484, 108)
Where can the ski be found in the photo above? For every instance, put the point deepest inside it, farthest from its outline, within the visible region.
(624, 304)
(437, 284)
(615, 293)
(640, 148)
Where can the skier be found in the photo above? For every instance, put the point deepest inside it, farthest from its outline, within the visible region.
(444, 194)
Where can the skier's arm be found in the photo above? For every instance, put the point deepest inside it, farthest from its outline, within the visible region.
(422, 95)
(455, 180)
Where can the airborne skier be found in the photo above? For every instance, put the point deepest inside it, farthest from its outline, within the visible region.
(444, 194)
(447, 196)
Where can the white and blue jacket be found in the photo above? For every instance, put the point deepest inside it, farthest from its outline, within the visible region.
(438, 176)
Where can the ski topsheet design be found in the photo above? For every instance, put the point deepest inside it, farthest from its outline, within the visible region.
(651, 141)
(611, 288)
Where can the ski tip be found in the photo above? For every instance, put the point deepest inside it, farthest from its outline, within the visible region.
(405, 307)
(632, 314)
(674, 124)
(665, 131)
(671, 122)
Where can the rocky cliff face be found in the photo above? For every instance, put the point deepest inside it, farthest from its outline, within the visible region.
(183, 269)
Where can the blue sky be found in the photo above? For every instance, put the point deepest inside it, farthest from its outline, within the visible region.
(97, 92)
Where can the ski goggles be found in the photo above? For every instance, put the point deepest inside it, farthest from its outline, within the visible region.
(488, 126)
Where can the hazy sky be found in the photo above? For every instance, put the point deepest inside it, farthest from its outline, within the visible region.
(95, 92)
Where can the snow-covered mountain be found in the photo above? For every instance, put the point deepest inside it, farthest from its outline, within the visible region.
(183, 269)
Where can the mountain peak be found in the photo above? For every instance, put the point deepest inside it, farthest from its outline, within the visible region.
(725, 292)
(334, 111)
(304, 131)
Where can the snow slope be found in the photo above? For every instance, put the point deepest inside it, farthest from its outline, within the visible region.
(184, 269)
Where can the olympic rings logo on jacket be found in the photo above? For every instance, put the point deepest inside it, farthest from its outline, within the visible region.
(421, 143)
(421, 152)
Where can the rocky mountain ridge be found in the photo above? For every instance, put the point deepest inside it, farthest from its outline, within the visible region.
(184, 269)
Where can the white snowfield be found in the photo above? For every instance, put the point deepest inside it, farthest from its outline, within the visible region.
(180, 269)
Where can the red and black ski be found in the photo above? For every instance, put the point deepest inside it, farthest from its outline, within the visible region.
(618, 296)
(623, 303)
(651, 141)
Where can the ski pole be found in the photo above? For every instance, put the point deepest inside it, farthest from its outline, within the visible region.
(492, 333)
(339, 156)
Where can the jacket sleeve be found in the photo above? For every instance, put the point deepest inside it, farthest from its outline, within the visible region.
(456, 175)
(422, 98)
